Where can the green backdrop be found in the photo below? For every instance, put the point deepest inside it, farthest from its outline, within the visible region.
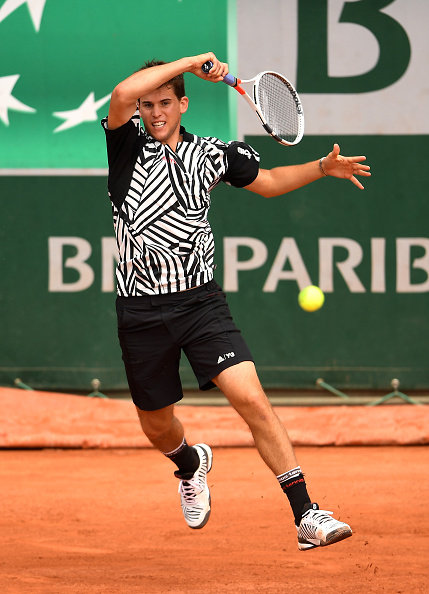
(362, 339)
(368, 250)
(89, 47)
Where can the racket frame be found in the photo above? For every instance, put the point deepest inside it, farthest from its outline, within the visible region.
(254, 103)
(236, 83)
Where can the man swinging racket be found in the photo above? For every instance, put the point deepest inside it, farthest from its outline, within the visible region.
(160, 179)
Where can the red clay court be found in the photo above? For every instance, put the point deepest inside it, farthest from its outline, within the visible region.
(88, 508)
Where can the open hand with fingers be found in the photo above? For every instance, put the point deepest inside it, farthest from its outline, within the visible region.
(336, 165)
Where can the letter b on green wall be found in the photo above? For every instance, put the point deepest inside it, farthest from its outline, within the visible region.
(313, 47)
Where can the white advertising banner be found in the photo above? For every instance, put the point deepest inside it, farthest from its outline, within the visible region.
(360, 66)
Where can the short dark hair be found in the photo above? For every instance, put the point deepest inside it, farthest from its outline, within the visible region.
(178, 82)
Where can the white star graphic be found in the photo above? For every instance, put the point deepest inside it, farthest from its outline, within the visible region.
(35, 8)
(87, 112)
(7, 101)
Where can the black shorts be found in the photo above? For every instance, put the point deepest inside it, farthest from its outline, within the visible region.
(154, 329)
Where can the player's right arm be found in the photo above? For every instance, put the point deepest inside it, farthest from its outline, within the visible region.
(126, 94)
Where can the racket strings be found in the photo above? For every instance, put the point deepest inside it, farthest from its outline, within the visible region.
(279, 106)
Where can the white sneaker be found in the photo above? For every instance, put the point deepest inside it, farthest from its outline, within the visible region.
(194, 492)
(318, 528)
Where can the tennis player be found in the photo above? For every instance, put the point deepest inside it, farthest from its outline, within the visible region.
(160, 179)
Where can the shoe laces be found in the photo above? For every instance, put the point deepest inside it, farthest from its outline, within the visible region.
(322, 516)
(189, 490)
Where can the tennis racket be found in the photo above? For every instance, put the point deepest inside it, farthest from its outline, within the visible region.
(275, 101)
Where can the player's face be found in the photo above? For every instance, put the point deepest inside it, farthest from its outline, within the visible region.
(161, 112)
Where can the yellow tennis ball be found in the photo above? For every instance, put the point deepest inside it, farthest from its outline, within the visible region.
(311, 298)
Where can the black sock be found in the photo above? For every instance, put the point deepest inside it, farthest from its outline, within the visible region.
(293, 484)
(185, 458)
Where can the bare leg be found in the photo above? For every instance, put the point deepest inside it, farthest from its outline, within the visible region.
(242, 388)
(162, 428)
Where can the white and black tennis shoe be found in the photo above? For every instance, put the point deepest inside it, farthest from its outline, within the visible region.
(319, 529)
(194, 491)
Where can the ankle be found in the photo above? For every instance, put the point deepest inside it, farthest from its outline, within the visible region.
(293, 485)
(186, 459)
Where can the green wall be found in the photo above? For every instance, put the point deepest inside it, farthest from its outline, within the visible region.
(368, 331)
(374, 325)
(369, 251)
(78, 53)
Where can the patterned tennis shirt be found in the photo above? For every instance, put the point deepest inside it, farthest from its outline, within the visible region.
(160, 201)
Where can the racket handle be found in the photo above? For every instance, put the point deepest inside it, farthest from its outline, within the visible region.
(229, 79)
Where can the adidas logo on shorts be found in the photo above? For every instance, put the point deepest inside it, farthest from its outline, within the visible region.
(223, 358)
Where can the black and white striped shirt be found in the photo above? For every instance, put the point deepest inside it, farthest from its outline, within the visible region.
(160, 201)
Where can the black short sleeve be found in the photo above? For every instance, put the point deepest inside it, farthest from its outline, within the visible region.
(243, 164)
(123, 146)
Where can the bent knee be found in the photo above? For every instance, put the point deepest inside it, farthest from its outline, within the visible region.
(154, 433)
(155, 424)
(254, 404)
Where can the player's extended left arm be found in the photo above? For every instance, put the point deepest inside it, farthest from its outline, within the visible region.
(281, 180)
